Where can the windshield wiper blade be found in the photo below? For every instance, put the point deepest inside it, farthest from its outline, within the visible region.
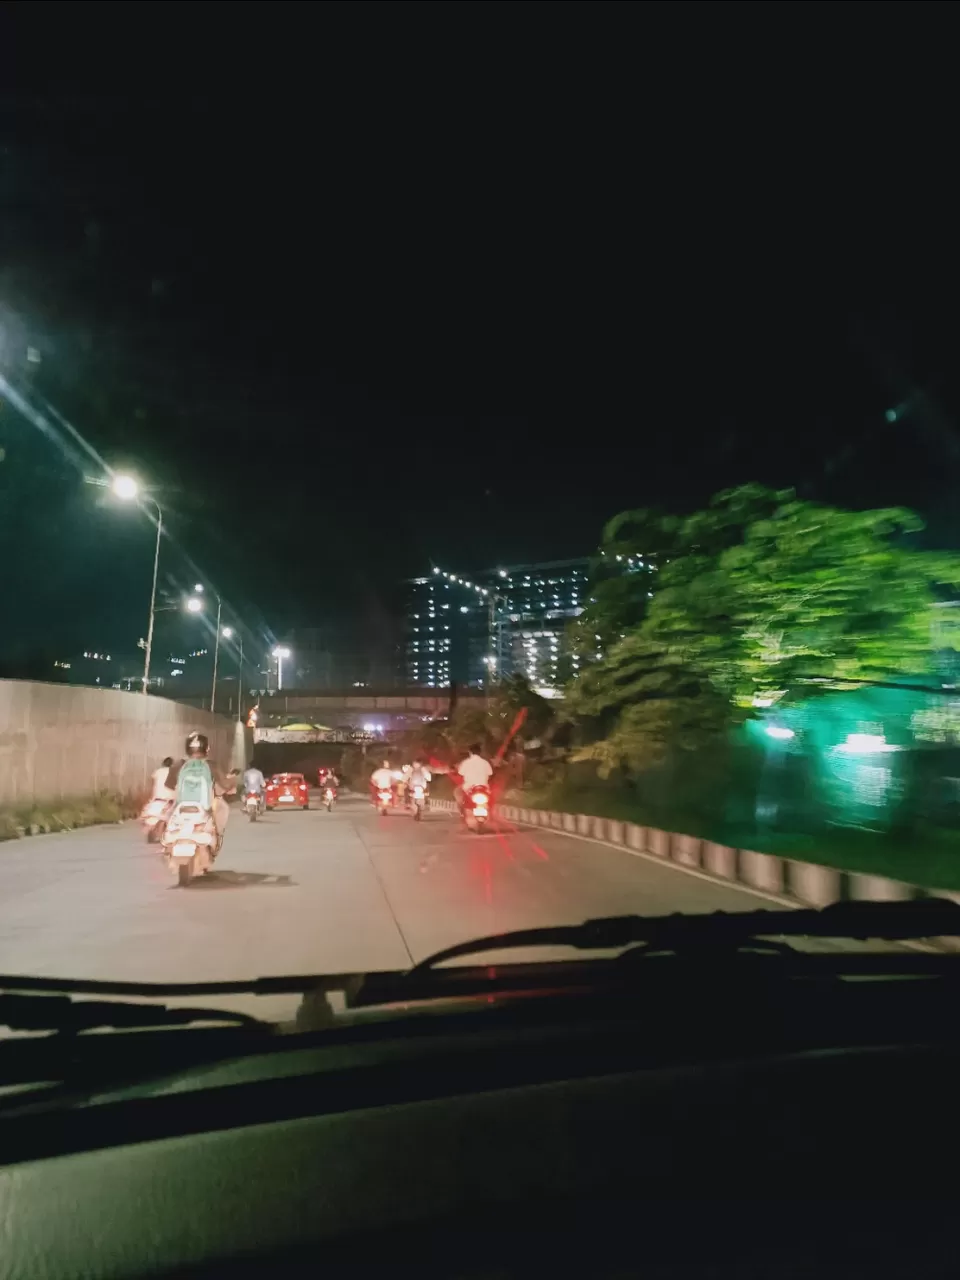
(889, 921)
(64, 1014)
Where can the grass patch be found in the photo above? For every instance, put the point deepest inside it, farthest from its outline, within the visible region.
(17, 821)
(927, 855)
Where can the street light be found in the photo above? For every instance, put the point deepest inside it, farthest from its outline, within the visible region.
(280, 653)
(195, 604)
(227, 634)
(127, 488)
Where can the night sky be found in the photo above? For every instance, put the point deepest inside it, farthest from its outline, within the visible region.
(351, 312)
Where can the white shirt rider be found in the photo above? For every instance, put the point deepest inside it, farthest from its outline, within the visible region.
(253, 780)
(383, 778)
(475, 771)
(160, 789)
(419, 776)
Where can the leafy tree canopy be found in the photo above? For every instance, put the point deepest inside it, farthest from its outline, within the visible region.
(748, 595)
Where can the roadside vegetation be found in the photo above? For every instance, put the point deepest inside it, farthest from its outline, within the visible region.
(17, 821)
(696, 627)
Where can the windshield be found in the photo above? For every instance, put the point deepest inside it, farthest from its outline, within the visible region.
(605, 626)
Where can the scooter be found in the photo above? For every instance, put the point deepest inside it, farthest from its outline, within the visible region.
(190, 842)
(418, 801)
(384, 800)
(476, 808)
(329, 798)
(153, 817)
(253, 805)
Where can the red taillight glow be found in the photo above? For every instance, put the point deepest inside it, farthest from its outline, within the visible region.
(479, 799)
(384, 795)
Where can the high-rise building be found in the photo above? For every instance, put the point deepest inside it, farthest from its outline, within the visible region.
(466, 628)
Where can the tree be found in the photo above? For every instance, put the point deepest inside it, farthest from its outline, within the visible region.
(750, 594)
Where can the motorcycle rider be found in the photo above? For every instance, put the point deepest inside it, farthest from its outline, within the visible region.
(419, 776)
(382, 779)
(198, 749)
(254, 783)
(474, 771)
(159, 781)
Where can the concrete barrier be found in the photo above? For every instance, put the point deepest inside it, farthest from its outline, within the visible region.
(636, 837)
(878, 888)
(60, 741)
(761, 870)
(818, 886)
(805, 883)
(658, 842)
(720, 860)
(685, 850)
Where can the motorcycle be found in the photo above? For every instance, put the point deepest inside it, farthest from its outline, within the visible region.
(153, 817)
(190, 842)
(329, 798)
(418, 801)
(384, 800)
(253, 805)
(476, 808)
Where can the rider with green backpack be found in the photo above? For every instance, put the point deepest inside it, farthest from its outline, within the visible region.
(196, 781)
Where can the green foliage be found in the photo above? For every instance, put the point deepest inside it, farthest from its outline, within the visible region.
(66, 815)
(750, 594)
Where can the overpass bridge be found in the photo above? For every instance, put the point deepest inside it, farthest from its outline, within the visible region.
(387, 712)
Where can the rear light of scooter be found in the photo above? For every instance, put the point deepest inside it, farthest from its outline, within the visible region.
(418, 793)
(385, 796)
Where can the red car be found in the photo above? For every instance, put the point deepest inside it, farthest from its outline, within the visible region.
(287, 790)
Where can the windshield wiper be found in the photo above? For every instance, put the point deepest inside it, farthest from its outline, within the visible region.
(859, 921)
(64, 1014)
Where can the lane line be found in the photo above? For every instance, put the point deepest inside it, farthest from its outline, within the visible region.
(383, 890)
(656, 861)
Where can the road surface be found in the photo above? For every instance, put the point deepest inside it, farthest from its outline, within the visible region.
(313, 892)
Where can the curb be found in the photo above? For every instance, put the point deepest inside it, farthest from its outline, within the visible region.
(788, 881)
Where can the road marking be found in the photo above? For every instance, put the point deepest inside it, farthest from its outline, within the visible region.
(383, 891)
(657, 861)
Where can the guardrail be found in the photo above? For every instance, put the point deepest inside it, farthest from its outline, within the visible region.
(790, 880)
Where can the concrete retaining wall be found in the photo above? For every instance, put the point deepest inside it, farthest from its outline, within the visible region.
(60, 741)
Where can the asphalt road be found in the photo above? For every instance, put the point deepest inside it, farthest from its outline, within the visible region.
(313, 892)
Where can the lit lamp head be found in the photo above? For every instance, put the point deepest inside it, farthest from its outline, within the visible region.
(125, 487)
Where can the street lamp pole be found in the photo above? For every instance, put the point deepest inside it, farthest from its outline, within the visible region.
(153, 599)
(228, 633)
(216, 655)
(280, 653)
(128, 489)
